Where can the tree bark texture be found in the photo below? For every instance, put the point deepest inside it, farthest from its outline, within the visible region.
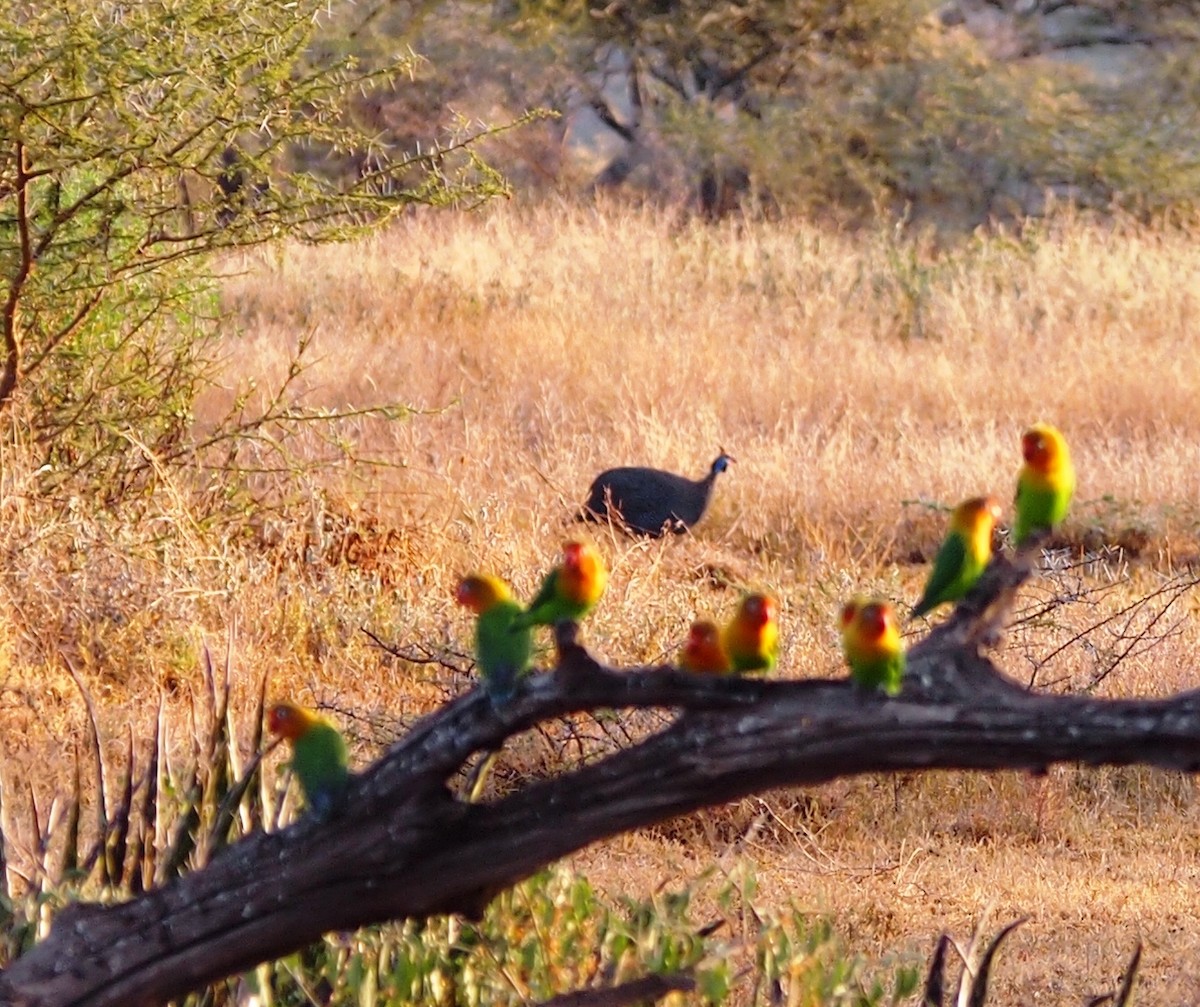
(404, 846)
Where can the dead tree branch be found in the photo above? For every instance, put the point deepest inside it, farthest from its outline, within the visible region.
(406, 847)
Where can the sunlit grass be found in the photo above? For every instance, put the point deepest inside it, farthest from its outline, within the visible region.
(863, 383)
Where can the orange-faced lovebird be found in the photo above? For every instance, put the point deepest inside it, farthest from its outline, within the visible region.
(1045, 483)
(502, 653)
(872, 645)
(570, 590)
(751, 637)
(703, 652)
(964, 554)
(318, 755)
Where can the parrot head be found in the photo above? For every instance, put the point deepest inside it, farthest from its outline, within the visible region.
(703, 650)
(480, 591)
(703, 633)
(1043, 447)
(290, 721)
(757, 610)
(876, 623)
(979, 514)
(584, 575)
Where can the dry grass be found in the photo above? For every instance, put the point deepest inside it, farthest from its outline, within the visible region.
(860, 382)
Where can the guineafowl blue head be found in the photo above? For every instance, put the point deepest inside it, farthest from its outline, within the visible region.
(722, 463)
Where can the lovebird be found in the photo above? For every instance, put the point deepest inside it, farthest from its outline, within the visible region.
(1045, 483)
(751, 637)
(703, 652)
(871, 644)
(502, 653)
(319, 757)
(965, 552)
(570, 590)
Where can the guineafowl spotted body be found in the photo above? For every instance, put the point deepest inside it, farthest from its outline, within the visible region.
(646, 501)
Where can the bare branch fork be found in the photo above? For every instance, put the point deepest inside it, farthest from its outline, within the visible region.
(404, 846)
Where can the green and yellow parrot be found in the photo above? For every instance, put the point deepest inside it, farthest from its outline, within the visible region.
(502, 652)
(319, 757)
(570, 590)
(751, 638)
(703, 652)
(963, 555)
(872, 645)
(1045, 483)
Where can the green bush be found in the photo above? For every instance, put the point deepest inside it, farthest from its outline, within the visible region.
(138, 139)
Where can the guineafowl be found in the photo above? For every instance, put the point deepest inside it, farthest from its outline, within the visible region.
(647, 501)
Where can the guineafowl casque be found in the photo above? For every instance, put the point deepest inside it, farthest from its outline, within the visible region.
(647, 501)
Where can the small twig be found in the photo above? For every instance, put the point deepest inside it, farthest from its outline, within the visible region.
(418, 653)
(1172, 592)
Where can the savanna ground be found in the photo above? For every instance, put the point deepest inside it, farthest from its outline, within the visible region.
(862, 382)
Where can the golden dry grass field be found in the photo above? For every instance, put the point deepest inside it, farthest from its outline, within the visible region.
(862, 383)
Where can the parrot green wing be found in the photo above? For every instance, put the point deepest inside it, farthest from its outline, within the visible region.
(946, 580)
(550, 606)
(321, 763)
(546, 606)
(503, 650)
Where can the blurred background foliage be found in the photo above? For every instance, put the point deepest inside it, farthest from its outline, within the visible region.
(957, 115)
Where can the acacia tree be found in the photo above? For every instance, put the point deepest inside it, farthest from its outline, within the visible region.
(136, 140)
(857, 108)
(822, 102)
(687, 86)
